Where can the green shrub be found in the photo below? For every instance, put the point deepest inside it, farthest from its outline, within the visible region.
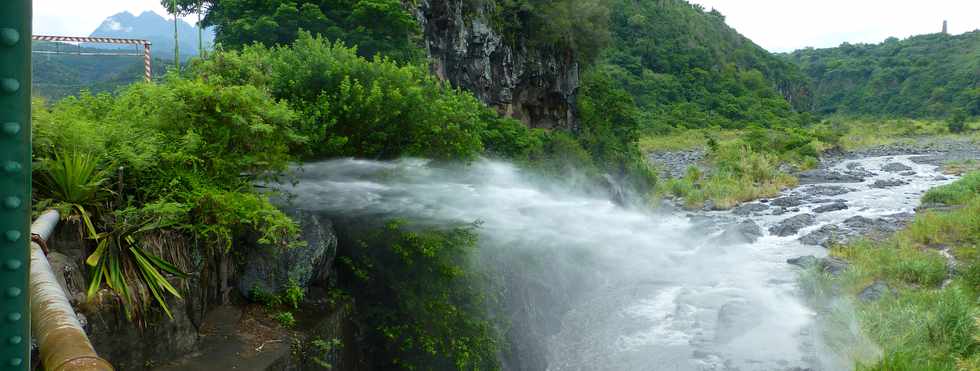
(422, 298)
(286, 319)
(351, 106)
(957, 193)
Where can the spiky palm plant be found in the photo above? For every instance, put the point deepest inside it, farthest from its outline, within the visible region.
(76, 183)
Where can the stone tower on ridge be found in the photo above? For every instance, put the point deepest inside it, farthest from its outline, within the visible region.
(944, 27)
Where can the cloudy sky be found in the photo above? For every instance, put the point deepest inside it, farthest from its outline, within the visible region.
(786, 25)
(81, 17)
(777, 25)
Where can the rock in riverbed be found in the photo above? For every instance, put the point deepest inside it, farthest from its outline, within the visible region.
(895, 167)
(835, 206)
(745, 232)
(888, 183)
(830, 265)
(827, 176)
(792, 225)
(874, 292)
(747, 209)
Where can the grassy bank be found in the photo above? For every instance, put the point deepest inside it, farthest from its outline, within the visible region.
(746, 164)
(739, 165)
(928, 319)
(865, 133)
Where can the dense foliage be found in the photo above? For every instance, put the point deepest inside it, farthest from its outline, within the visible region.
(179, 156)
(931, 75)
(580, 27)
(423, 298)
(375, 26)
(687, 69)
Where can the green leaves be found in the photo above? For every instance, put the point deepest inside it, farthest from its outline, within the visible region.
(72, 177)
(132, 272)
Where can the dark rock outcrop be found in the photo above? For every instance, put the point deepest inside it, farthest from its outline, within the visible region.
(895, 167)
(888, 183)
(874, 292)
(747, 209)
(827, 176)
(835, 206)
(792, 225)
(787, 201)
(269, 269)
(744, 232)
(535, 85)
(829, 265)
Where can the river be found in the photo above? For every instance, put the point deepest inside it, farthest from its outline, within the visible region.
(592, 285)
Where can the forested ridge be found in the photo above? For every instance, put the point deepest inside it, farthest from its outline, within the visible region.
(934, 75)
(687, 69)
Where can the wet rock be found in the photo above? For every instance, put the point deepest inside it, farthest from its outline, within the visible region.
(792, 225)
(907, 173)
(874, 292)
(745, 232)
(825, 236)
(828, 176)
(787, 201)
(805, 262)
(828, 190)
(747, 209)
(828, 200)
(836, 206)
(895, 167)
(888, 183)
(735, 318)
(709, 205)
(269, 269)
(940, 178)
(833, 266)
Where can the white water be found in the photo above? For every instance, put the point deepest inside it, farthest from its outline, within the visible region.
(637, 289)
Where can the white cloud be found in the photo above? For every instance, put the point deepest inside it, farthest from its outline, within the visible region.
(786, 25)
(81, 17)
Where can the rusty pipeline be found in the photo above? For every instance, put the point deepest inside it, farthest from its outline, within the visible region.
(62, 342)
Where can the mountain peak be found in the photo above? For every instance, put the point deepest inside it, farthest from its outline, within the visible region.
(151, 26)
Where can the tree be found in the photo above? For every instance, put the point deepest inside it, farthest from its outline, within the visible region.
(374, 26)
(957, 123)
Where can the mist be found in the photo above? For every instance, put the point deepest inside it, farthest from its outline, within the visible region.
(592, 285)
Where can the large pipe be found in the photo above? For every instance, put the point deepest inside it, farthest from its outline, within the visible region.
(60, 337)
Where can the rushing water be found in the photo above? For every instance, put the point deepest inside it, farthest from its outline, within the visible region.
(596, 286)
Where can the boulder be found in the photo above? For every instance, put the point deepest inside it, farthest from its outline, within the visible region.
(836, 206)
(269, 269)
(833, 266)
(825, 236)
(787, 201)
(745, 232)
(895, 167)
(805, 262)
(888, 183)
(752, 208)
(824, 190)
(792, 225)
(828, 176)
(874, 292)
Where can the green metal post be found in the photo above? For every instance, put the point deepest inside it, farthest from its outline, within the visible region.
(15, 183)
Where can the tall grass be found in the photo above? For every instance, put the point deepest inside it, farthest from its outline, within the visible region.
(923, 324)
(739, 174)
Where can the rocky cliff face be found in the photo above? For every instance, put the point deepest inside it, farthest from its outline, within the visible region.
(534, 85)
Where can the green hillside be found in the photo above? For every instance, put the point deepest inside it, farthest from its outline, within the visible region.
(687, 69)
(56, 76)
(923, 76)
